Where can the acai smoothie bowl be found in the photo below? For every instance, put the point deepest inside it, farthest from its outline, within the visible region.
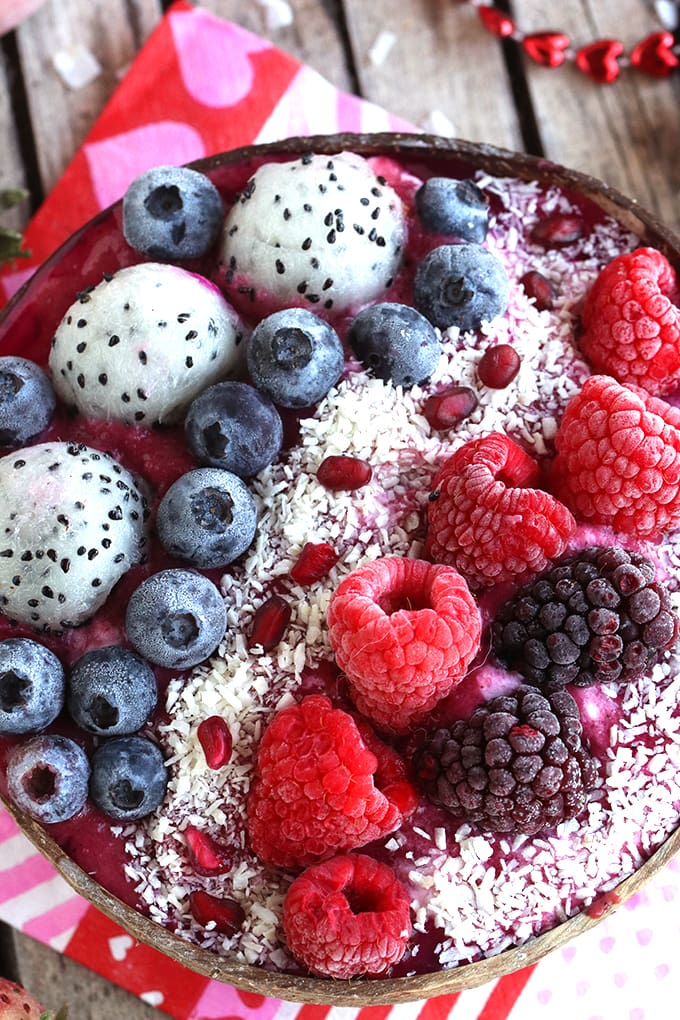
(340, 562)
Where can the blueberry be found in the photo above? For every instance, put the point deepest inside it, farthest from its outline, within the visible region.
(395, 342)
(232, 425)
(176, 618)
(458, 208)
(208, 517)
(172, 212)
(129, 778)
(294, 357)
(460, 285)
(47, 777)
(31, 686)
(111, 691)
(27, 401)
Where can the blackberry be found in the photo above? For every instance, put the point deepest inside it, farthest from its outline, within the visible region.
(596, 617)
(517, 765)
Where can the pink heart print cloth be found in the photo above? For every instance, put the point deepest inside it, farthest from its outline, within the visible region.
(182, 100)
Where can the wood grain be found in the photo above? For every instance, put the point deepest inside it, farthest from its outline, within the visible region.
(60, 116)
(12, 173)
(625, 133)
(442, 61)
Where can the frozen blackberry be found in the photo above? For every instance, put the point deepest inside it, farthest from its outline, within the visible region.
(596, 617)
(517, 765)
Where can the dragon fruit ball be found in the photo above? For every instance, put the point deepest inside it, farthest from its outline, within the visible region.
(320, 232)
(72, 522)
(143, 343)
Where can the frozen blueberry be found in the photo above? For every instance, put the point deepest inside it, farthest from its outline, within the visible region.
(129, 778)
(111, 691)
(47, 777)
(232, 425)
(172, 212)
(395, 342)
(27, 401)
(176, 618)
(31, 686)
(294, 357)
(461, 285)
(208, 517)
(458, 208)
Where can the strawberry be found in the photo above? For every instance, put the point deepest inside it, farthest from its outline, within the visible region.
(18, 1004)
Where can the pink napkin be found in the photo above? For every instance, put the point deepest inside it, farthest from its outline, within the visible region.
(181, 100)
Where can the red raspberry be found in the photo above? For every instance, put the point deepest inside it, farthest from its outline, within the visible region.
(631, 325)
(315, 791)
(618, 458)
(404, 631)
(346, 917)
(487, 522)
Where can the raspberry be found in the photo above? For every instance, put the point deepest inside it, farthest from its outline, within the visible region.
(346, 917)
(631, 324)
(404, 631)
(314, 791)
(596, 617)
(618, 459)
(517, 765)
(484, 520)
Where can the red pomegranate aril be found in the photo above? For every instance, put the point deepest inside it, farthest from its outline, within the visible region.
(314, 562)
(450, 407)
(498, 366)
(227, 915)
(538, 287)
(558, 230)
(207, 856)
(270, 623)
(215, 738)
(340, 472)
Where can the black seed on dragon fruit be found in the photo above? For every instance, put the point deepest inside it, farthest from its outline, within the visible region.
(321, 232)
(148, 340)
(72, 522)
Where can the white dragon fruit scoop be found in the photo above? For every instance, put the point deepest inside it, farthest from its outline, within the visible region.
(322, 232)
(143, 343)
(72, 522)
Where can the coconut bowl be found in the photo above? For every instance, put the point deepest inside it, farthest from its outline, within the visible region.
(26, 326)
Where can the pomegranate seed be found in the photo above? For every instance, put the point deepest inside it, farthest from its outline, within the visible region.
(539, 288)
(348, 473)
(558, 230)
(498, 366)
(270, 623)
(602, 903)
(449, 408)
(228, 915)
(207, 856)
(403, 796)
(314, 562)
(214, 737)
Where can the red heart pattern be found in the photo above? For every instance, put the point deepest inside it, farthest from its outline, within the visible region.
(547, 48)
(654, 55)
(600, 60)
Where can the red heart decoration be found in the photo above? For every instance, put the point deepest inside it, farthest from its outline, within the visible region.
(654, 55)
(547, 48)
(599, 60)
(496, 21)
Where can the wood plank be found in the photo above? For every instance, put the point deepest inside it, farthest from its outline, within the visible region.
(314, 35)
(55, 980)
(12, 173)
(60, 116)
(442, 62)
(624, 133)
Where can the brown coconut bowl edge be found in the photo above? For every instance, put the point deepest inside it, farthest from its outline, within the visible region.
(432, 150)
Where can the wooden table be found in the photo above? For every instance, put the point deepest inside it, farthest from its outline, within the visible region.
(443, 72)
